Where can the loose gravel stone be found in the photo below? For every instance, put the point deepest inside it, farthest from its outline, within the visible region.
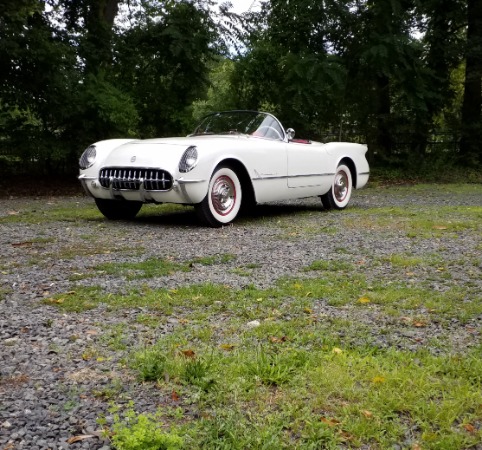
(50, 384)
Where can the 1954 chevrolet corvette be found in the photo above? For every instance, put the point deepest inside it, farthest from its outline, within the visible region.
(233, 160)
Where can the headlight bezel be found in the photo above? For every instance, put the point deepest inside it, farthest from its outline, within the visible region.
(189, 159)
(88, 157)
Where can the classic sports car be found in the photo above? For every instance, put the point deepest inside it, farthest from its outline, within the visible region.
(233, 160)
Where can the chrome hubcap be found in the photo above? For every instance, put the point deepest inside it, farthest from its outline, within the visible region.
(341, 186)
(223, 195)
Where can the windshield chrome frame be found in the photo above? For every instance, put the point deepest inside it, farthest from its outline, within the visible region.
(243, 111)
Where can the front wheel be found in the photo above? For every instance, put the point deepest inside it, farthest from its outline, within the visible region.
(118, 209)
(339, 194)
(223, 200)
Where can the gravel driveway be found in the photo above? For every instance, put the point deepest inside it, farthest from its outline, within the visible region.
(46, 384)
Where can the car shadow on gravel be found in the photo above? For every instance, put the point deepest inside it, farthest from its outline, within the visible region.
(256, 215)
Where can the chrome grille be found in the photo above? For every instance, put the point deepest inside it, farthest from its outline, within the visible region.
(128, 178)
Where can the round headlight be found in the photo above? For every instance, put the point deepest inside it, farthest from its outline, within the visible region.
(88, 157)
(188, 160)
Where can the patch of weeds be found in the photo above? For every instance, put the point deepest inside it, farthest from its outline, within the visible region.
(235, 428)
(416, 222)
(405, 261)
(132, 431)
(402, 298)
(245, 270)
(149, 363)
(240, 271)
(149, 210)
(150, 320)
(82, 299)
(115, 336)
(214, 259)
(74, 212)
(197, 371)
(275, 368)
(197, 296)
(4, 291)
(111, 391)
(156, 267)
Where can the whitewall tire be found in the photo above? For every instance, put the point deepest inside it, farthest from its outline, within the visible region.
(223, 200)
(340, 193)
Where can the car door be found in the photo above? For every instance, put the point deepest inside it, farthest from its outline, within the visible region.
(309, 167)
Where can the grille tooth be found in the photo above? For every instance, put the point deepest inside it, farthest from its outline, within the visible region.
(124, 178)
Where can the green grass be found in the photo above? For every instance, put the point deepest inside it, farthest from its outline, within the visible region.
(156, 267)
(360, 349)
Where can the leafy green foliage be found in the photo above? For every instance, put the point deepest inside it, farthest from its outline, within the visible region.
(142, 432)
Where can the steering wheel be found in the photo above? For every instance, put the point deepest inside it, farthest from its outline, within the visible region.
(270, 129)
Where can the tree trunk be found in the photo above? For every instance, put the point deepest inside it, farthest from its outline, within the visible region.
(99, 23)
(470, 145)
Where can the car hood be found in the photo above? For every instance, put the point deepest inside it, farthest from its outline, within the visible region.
(165, 152)
(148, 153)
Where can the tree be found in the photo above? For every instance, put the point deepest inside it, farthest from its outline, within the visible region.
(470, 147)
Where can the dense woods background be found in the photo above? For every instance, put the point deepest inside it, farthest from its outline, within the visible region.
(403, 76)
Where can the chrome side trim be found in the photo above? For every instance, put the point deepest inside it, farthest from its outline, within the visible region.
(364, 173)
(261, 178)
(182, 181)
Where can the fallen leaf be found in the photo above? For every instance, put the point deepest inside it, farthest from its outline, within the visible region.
(419, 324)
(188, 353)
(174, 396)
(79, 438)
(13, 213)
(337, 350)
(277, 340)
(416, 446)
(91, 332)
(439, 227)
(22, 244)
(469, 428)
(345, 436)
(297, 286)
(367, 414)
(363, 300)
(329, 422)
(308, 311)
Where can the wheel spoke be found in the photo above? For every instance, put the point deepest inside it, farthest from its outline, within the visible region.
(341, 186)
(223, 195)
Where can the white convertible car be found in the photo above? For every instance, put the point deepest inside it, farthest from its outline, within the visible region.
(232, 161)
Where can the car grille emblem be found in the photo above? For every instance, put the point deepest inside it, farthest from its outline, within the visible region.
(133, 159)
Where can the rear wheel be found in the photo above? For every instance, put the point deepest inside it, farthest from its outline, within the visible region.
(340, 193)
(118, 209)
(223, 200)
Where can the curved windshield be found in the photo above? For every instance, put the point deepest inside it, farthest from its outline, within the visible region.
(241, 122)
